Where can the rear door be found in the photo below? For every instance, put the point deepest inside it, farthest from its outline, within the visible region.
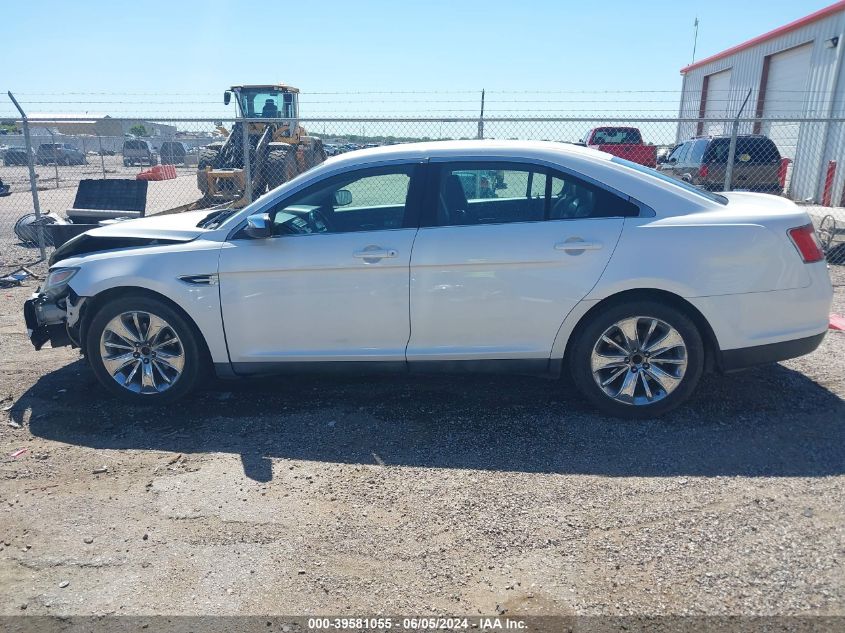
(756, 164)
(494, 277)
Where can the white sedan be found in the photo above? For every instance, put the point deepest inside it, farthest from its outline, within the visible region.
(525, 257)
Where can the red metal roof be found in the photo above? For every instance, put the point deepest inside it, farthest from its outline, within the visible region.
(797, 24)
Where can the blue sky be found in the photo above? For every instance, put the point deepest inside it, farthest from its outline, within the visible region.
(176, 57)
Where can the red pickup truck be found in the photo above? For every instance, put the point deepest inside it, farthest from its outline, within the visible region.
(624, 142)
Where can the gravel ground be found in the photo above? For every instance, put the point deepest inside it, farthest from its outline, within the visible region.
(419, 495)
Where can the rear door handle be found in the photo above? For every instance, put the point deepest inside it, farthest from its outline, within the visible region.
(375, 252)
(578, 245)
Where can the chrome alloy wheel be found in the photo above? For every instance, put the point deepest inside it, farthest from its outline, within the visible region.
(639, 360)
(142, 352)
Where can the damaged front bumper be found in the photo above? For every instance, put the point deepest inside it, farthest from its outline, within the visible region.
(53, 319)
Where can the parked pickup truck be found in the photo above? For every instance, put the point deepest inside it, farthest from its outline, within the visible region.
(624, 142)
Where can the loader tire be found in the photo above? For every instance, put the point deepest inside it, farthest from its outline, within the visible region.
(206, 158)
(280, 166)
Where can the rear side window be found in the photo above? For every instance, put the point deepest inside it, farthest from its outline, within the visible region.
(573, 198)
(489, 193)
(697, 151)
(757, 150)
(499, 193)
(683, 151)
(752, 150)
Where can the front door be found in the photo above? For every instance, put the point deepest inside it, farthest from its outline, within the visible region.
(500, 267)
(332, 282)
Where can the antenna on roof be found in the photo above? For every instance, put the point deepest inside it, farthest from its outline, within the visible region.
(694, 39)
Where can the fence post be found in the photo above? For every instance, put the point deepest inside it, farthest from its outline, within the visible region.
(102, 158)
(247, 170)
(729, 168)
(55, 155)
(481, 118)
(32, 184)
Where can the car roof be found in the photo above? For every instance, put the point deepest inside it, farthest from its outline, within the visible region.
(491, 148)
(728, 136)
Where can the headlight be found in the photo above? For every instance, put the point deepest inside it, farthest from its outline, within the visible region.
(57, 279)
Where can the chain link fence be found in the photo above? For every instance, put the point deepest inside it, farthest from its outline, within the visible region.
(190, 163)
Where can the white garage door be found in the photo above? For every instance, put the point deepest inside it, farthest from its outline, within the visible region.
(785, 94)
(717, 103)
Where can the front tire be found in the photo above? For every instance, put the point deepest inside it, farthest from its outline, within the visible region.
(143, 351)
(637, 360)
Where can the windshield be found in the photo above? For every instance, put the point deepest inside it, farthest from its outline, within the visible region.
(268, 104)
(617, 136)
(714, 197)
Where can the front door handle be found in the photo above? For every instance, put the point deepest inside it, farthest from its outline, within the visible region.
(375, 252)
(578, 245)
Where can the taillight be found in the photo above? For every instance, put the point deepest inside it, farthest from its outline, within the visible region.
(807, 243)
(703, 170)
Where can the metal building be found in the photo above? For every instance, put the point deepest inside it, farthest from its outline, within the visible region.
(794, 71)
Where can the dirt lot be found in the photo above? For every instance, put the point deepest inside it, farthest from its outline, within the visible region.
(419, 495)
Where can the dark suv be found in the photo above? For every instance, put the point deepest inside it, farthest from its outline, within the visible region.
(59, 153)
(702, 162)
(173, 153)
(138, 151)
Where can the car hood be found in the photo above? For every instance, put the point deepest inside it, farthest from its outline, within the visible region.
(178, 226)
(158, 230)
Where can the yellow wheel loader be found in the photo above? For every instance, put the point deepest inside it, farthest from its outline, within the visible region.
(279, 148)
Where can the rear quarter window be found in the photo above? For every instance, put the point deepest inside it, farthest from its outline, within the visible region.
(674, 182)
(749, 150)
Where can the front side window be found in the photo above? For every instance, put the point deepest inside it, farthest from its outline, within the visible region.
(373, 199)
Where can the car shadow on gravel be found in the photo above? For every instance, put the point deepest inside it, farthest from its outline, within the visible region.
(771, 421)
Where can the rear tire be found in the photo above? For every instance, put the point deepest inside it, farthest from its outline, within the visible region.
(649, 382)
(143, 351)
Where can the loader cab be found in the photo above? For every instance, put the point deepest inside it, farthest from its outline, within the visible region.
(265, 102)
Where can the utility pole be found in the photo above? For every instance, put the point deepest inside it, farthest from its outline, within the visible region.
(694, 39)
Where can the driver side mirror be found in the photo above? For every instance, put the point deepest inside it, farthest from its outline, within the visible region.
(259, 226)
(227, 97)
(342, 197)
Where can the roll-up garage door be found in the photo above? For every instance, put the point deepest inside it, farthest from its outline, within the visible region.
(785, 92)
(717, 102)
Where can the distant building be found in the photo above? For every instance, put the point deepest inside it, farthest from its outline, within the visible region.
(793, 71)
(95, 125)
